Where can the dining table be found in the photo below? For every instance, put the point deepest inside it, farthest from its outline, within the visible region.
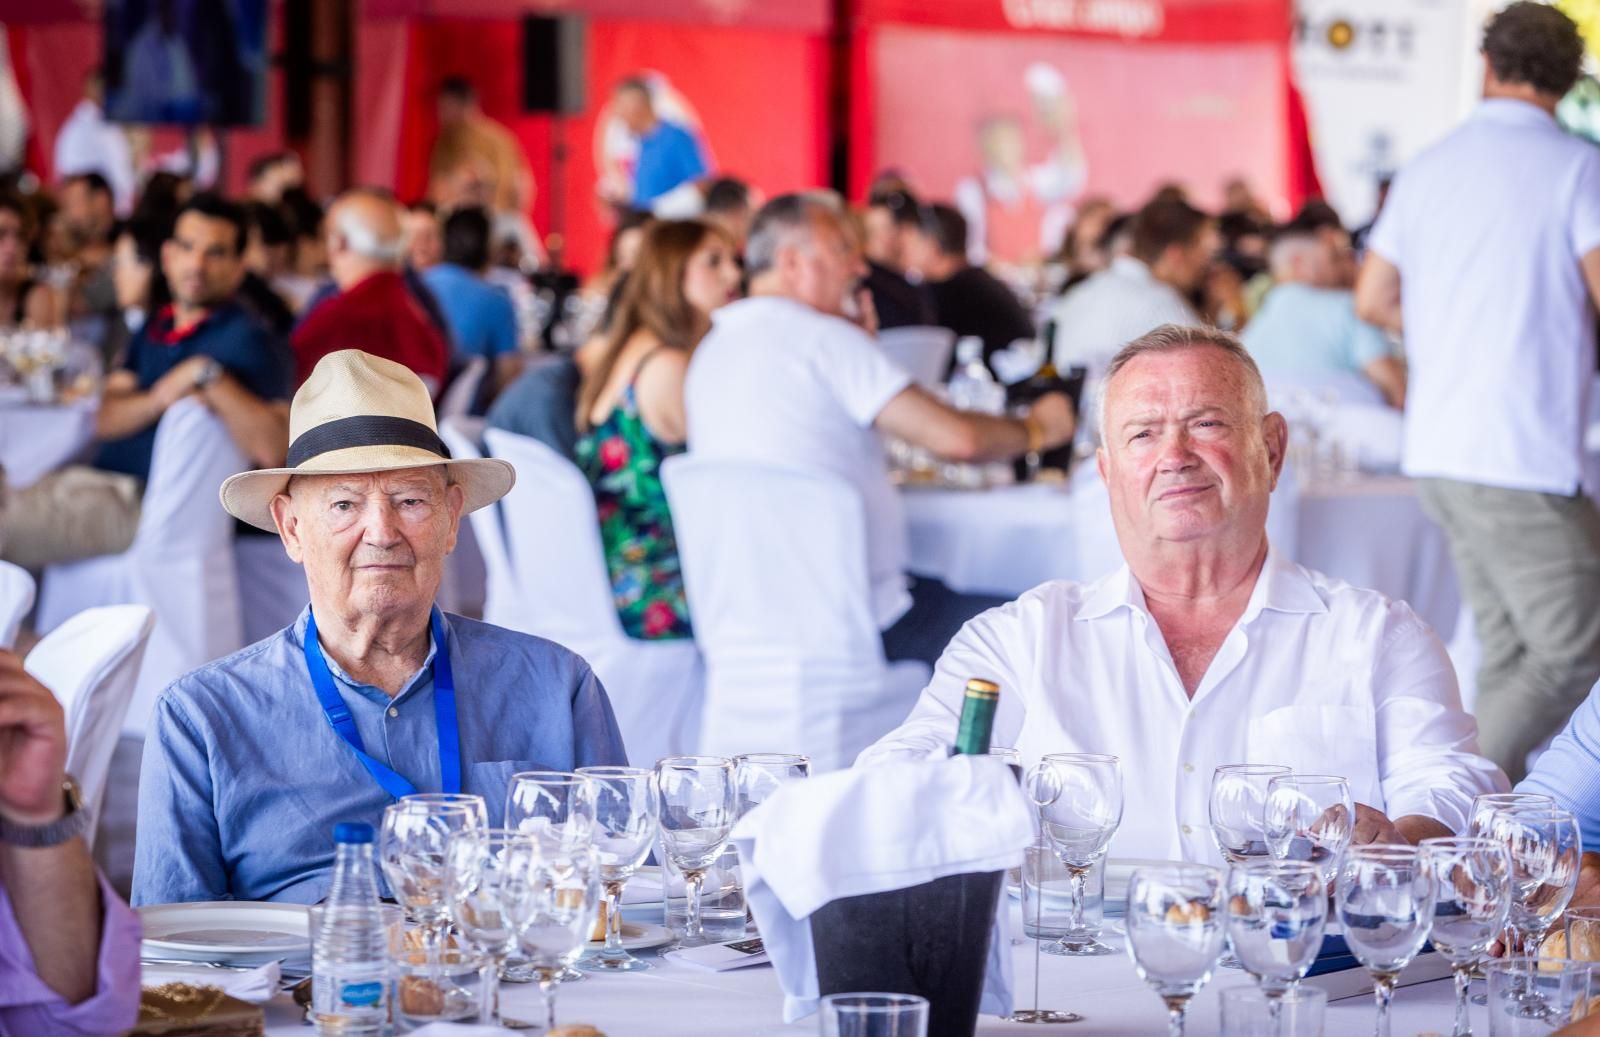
(38, 438)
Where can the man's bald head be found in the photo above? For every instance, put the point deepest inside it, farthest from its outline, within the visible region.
(365, 235)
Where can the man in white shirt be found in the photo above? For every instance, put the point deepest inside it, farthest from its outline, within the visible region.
(1487, 258)
(87, 143)
(1207, 648)
(1173, 244)
(784, 378)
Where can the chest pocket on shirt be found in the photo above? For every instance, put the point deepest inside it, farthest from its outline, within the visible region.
(1339, 740)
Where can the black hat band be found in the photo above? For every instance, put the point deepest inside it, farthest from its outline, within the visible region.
(364, 430)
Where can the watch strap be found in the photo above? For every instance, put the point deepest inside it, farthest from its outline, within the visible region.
(69, 826)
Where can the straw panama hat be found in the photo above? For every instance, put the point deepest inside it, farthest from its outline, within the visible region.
(356, 414)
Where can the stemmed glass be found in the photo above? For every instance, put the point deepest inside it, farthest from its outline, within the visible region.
(1472, 896)
(551, 803)
(489, 884)
(1175, 932)
(1487, 803)
(1237, 809)
(566, 894)
(1042, 788)
(1544, 847)
(1078, 825)
(1309, 817)
(412, 851)
(624, 808)
(758, 775)
(698, 809)
(466, 800)
(1384, 900)
(1276, 913)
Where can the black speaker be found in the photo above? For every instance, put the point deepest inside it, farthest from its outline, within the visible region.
(555, 59)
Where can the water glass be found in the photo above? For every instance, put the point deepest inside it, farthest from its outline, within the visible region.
(1248, 1012)
(1309, 817)
(1582, 927)
(625, 808)
(467, 800)
(1545, 850)
(1276, 913)
(1175, 932)
(873, 1015)
(1384, 899)
(1472, 897)
(551, 804)
(1485, 804)
(412, 845)
(1049, 916)
(758, 775)
(566, 895)
(490, 885)
(698, 810)
(1079, 796)
(447, 988)
(1237, 809)
(1536, 996)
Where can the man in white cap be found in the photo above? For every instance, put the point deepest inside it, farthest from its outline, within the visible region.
(372, 693)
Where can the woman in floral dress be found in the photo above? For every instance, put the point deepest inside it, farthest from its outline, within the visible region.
(630, 414)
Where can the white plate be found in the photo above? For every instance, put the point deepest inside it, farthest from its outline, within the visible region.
(638, 936)
(239, 933)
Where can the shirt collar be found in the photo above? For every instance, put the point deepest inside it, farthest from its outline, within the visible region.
(372, 691)
(1132, 267)
(1511, 110)
(163, 330)
(1281, 586)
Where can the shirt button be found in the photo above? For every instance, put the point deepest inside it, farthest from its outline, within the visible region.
(393, 711)
(1187, 830)
(1188, 768)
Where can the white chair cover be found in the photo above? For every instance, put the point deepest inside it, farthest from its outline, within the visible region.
(458, 399)
(775, 564)
(91, 662)
(467, 587)
(564, 594)
(924, 352)
(272, 586)
(16, 598)
(181, 563)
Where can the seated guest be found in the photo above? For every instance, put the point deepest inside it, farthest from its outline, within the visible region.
(372, 693)
(24, 299)
(69, 947)
(482, 320)
(630, 414)
(374, 308)
(1307, 324)
(1171, 250)
(424, 236)
(202, 343)
(889, 221)
(966, 299)
(268, 253)
(1208, 647)
(1566, 772)
(540, 404)
(730, 204)
(783, 378)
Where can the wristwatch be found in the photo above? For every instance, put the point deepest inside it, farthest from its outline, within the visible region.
(68, 826)
(208, 373)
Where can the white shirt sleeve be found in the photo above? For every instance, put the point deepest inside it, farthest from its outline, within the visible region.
(1586, 206)
(1428, 760)
(860, 375)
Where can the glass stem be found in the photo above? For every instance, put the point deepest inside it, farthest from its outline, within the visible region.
(614, 920)
(491, 989)
(1275, 1011)
(693, 881)
(1176, 1007)
(547, 988)
(1079, 881)
(434, 935)
(1383, 993)
(1463, 977)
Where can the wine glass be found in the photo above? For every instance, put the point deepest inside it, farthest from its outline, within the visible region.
(1309, 817)
(1472, 896)
(566, 895)
(1237, 809)
(1544, 847)
(1276, 913)
(1384, 899)
(758, 775)
(489, 881)
(467, 800)
(698, 809)
(1175, 932)
(412, 851)
(625, 811)
(556, 804)
(1078, 825)
(1487, 803)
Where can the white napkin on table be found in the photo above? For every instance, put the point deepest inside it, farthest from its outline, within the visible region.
(873, 829)
(257, 986)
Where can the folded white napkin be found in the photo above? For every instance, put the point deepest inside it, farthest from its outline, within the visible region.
(257, 986)
(459, 1030)
(873, 829)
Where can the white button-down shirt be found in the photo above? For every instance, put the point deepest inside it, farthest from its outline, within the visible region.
(87, 143)
(1317, 675)
(1488, 228)
(1111, 309)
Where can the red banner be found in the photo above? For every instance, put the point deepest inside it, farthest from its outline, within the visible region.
(1188, 21)
(792, 15)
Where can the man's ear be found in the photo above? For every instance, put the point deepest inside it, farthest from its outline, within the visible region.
(1276, 431)
(288, 523)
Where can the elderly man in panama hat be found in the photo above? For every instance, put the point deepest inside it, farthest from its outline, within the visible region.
(372, 693)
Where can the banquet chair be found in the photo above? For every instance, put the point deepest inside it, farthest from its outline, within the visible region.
(483, 534)
(91, 663)
(272, 586)
(562, 592)
(16, 598)
(924, 352)
(775, 564)
(180, 564)
(462, 392)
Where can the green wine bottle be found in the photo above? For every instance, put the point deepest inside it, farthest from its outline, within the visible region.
(977, 717)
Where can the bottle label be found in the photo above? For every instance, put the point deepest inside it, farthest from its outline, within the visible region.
(361, 995)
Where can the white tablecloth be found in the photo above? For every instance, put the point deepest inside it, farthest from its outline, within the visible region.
(677, 1001)
(1368, 530)
(36, 440)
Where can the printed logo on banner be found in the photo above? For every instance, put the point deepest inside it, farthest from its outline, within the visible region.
(1129, 18)
(1377, 37)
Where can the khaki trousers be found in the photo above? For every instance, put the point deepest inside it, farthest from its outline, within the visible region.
(1529, 568)
(75, 512)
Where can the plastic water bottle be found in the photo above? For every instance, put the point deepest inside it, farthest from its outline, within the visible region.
(349, 967)
(973, 388)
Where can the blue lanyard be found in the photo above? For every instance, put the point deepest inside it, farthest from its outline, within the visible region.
(444, 710)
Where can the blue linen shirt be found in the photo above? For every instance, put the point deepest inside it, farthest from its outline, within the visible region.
(243, 777)
(668, 156)
(482, 320)
(1301, 329)
(1569, 771)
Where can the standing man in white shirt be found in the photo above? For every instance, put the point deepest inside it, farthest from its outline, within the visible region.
(1487, 258)
(784, 378)
(87, 143)
(1207, 647)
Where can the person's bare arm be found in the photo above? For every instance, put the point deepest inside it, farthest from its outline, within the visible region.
(916, 416)
(126, 409)
(259, 428)
(1373, 826)
(506, 368)
(660, 393)
(54, 896)
(1378, 294)
(1388, 373)
(44, 307)
(1591, 274)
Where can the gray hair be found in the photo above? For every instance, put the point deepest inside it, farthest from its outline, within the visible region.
(779, 222)
(365, 241)
(1169, 338)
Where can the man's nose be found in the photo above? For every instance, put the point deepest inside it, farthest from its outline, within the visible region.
(1177, 453)
(382, 525)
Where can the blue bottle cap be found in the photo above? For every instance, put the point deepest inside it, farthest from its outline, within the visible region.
(352, 832)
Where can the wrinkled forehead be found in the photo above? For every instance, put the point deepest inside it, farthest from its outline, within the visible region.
(1171, 381)
(432, 479)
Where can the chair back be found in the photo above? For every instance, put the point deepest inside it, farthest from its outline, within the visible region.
(91, 662)
(16, 598)
(193, 455)
(487, 528)
(462, 393)
(924, 352)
